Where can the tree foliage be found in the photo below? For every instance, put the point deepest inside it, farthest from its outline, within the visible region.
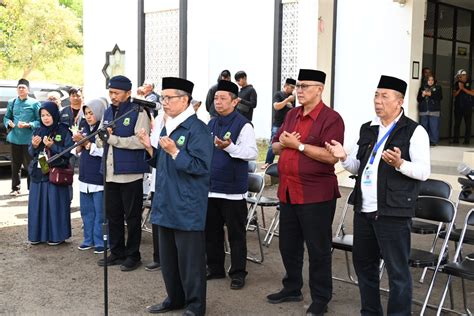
(36, 32)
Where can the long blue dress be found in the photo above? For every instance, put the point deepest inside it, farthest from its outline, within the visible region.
(49, 208)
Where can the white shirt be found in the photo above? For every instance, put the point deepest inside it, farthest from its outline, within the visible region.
(173, 123)
(245, 148)
(418, 168)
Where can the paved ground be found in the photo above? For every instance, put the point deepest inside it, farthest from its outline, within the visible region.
(45, 280)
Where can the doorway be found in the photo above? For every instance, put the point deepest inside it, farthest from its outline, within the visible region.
(447, 47)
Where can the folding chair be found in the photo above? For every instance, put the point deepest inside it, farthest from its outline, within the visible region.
(440, 210)
(146, 213)
(344, 241)
(466, 195)
(255, 186)
(272, 170)
(463, 268)
(431, 187)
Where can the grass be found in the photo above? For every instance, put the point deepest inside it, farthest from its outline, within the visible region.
(262, 145)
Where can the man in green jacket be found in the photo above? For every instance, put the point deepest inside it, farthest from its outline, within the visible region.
(21, 118)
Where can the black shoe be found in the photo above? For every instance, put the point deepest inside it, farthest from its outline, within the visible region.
(237, 283)
(212, 276)
(159, 308)
(112, 260)
(284, 296)
(189, 313)
(316, 310)
(130, 264)
(153, 266)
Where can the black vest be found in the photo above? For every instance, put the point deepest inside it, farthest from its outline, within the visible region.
(396, 193)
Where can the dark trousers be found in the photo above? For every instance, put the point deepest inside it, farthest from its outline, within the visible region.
(310, 224)
(20, 156)
(387, 237)
(183, 266)
(460, 114)
(125, 200)
(156, 238)
(232, 213)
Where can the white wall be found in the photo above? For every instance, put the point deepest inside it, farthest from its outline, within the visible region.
(234, 35)
(374, 37)
(106, 23)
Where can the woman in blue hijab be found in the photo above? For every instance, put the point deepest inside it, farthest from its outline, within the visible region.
(49, 208)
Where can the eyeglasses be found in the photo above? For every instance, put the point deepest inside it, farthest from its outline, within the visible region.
(167, 99)
(305, 86)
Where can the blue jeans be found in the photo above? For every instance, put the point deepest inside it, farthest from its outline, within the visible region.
(270, 155)
(91, 213)
(431, 124)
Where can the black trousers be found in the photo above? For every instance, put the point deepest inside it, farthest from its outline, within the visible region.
(125, 200)
(310, 224)
(389, 237)
(155, 237)
(183, 266)
(232, 213)
(460, 114)
(20, 156)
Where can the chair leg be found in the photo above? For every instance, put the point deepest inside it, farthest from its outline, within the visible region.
(255, 259)
(464, 297)
(263, 216)
(443, 297)
(271, 229)
(348, 268)
(146, 213)
(274, 231)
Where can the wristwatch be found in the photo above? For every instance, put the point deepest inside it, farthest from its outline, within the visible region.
(301, 147)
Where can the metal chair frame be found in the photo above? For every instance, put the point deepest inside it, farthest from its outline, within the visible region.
(423, 212)
(146, 213)
(454, 266)
(256, 184)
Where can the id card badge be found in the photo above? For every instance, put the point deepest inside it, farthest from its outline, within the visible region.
(367, 176)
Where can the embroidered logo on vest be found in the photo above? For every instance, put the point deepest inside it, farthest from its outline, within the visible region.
(57, 138)
(181, 140)
(227, 135)
(126, 121)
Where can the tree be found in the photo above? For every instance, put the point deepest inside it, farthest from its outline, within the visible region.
(35, 32)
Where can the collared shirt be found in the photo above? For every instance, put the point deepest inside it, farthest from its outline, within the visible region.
(245, 148)
(307, 180)
(418, 168)
(172, 123)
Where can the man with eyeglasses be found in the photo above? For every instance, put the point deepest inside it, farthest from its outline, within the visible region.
(183, 164)
(308, 191)
(21, 119)
(391, 157)
(123, 187)
(283, 102)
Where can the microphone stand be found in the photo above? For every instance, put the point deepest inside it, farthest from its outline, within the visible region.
(137, 106)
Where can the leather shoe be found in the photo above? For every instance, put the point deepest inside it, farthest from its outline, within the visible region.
(130, 264)
(284, 296)
(212, 276)
(112, 260)
(237, 283)
(153, 266)
(159, 308)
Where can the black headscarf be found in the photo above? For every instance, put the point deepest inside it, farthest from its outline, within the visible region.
(51, 108)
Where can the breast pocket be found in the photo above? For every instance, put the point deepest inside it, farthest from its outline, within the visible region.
(365, 146)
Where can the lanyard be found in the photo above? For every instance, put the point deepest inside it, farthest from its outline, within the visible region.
(379, 143)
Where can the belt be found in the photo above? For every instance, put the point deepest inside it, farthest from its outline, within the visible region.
(372, 216)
